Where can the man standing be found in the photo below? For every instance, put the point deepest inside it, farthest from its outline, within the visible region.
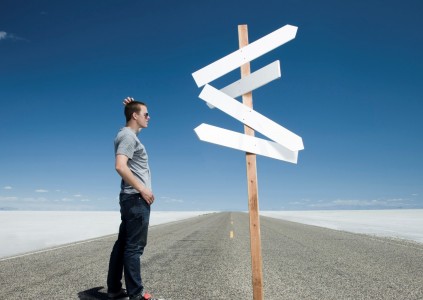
(135, 199)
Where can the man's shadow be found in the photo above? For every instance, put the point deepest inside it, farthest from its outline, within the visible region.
(94, 293)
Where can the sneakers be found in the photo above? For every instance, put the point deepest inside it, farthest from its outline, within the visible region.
(145, 296)
(121, 295)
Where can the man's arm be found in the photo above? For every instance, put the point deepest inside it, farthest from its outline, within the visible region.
(127, 175)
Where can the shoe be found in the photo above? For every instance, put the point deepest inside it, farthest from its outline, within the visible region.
(121, 295)
(145, 296)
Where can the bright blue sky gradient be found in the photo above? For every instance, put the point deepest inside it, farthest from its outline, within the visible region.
(351, 87)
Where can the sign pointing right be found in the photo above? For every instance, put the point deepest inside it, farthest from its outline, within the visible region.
(252, 118)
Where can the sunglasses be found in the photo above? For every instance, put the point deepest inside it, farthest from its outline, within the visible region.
(146, 115)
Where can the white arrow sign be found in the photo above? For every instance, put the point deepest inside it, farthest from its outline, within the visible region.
(247, 143)
(252, 118)
(244, 55)
(253, 81)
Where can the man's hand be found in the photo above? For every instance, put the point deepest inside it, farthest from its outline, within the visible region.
(128, 100)
(147, 195)
(121, 166)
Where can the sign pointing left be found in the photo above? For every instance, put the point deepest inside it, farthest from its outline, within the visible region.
(247, 143)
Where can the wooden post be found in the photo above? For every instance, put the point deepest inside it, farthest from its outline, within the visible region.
(253, 207)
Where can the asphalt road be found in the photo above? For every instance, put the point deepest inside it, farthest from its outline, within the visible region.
(208, 257)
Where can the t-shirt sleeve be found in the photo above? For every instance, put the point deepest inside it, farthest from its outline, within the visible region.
(126, 146)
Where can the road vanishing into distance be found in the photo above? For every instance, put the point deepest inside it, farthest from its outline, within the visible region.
(208, 257)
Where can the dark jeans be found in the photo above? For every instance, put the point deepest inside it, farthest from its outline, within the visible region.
(126, 253)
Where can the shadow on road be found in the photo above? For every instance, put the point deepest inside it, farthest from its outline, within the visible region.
(93, 293)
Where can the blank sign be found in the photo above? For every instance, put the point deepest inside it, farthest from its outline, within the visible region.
(244, 55)
(252, 118)
(251, 144)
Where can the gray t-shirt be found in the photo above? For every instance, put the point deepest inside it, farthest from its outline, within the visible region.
(128, 144)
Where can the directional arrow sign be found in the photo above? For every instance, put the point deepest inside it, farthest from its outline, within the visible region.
(247, 143)
(253, 81)
(252, 118)
(244, 55)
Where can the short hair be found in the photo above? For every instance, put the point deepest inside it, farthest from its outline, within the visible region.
(132, 107)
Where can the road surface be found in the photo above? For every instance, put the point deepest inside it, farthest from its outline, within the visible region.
(207, 257)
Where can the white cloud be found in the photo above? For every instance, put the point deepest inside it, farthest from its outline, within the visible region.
(32, 199)
(171, 200)
(8, 198)
(340, 203)
(81, 198)
(66, 200)
(10, 36)
(7, 187)
(41, 191)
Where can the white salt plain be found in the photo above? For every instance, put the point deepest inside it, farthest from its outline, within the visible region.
(27, 231)
(401, 223)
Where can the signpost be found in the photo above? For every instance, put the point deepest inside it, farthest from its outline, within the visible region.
(286, 144)
(253, 204)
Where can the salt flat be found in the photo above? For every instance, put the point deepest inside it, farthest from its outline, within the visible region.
(400, 223)
(26, 231)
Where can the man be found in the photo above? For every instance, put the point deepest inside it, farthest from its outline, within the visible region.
(136, 196)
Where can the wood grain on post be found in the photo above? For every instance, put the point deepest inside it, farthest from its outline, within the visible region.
(253, 207)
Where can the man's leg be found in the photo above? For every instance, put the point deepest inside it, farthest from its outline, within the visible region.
(114, 276)
(136, 213)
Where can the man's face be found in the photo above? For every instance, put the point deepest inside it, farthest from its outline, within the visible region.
(143, 117)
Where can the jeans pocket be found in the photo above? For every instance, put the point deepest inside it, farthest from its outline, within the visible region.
(134, 207)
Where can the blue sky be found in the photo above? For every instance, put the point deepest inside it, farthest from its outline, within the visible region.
(351, 87)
